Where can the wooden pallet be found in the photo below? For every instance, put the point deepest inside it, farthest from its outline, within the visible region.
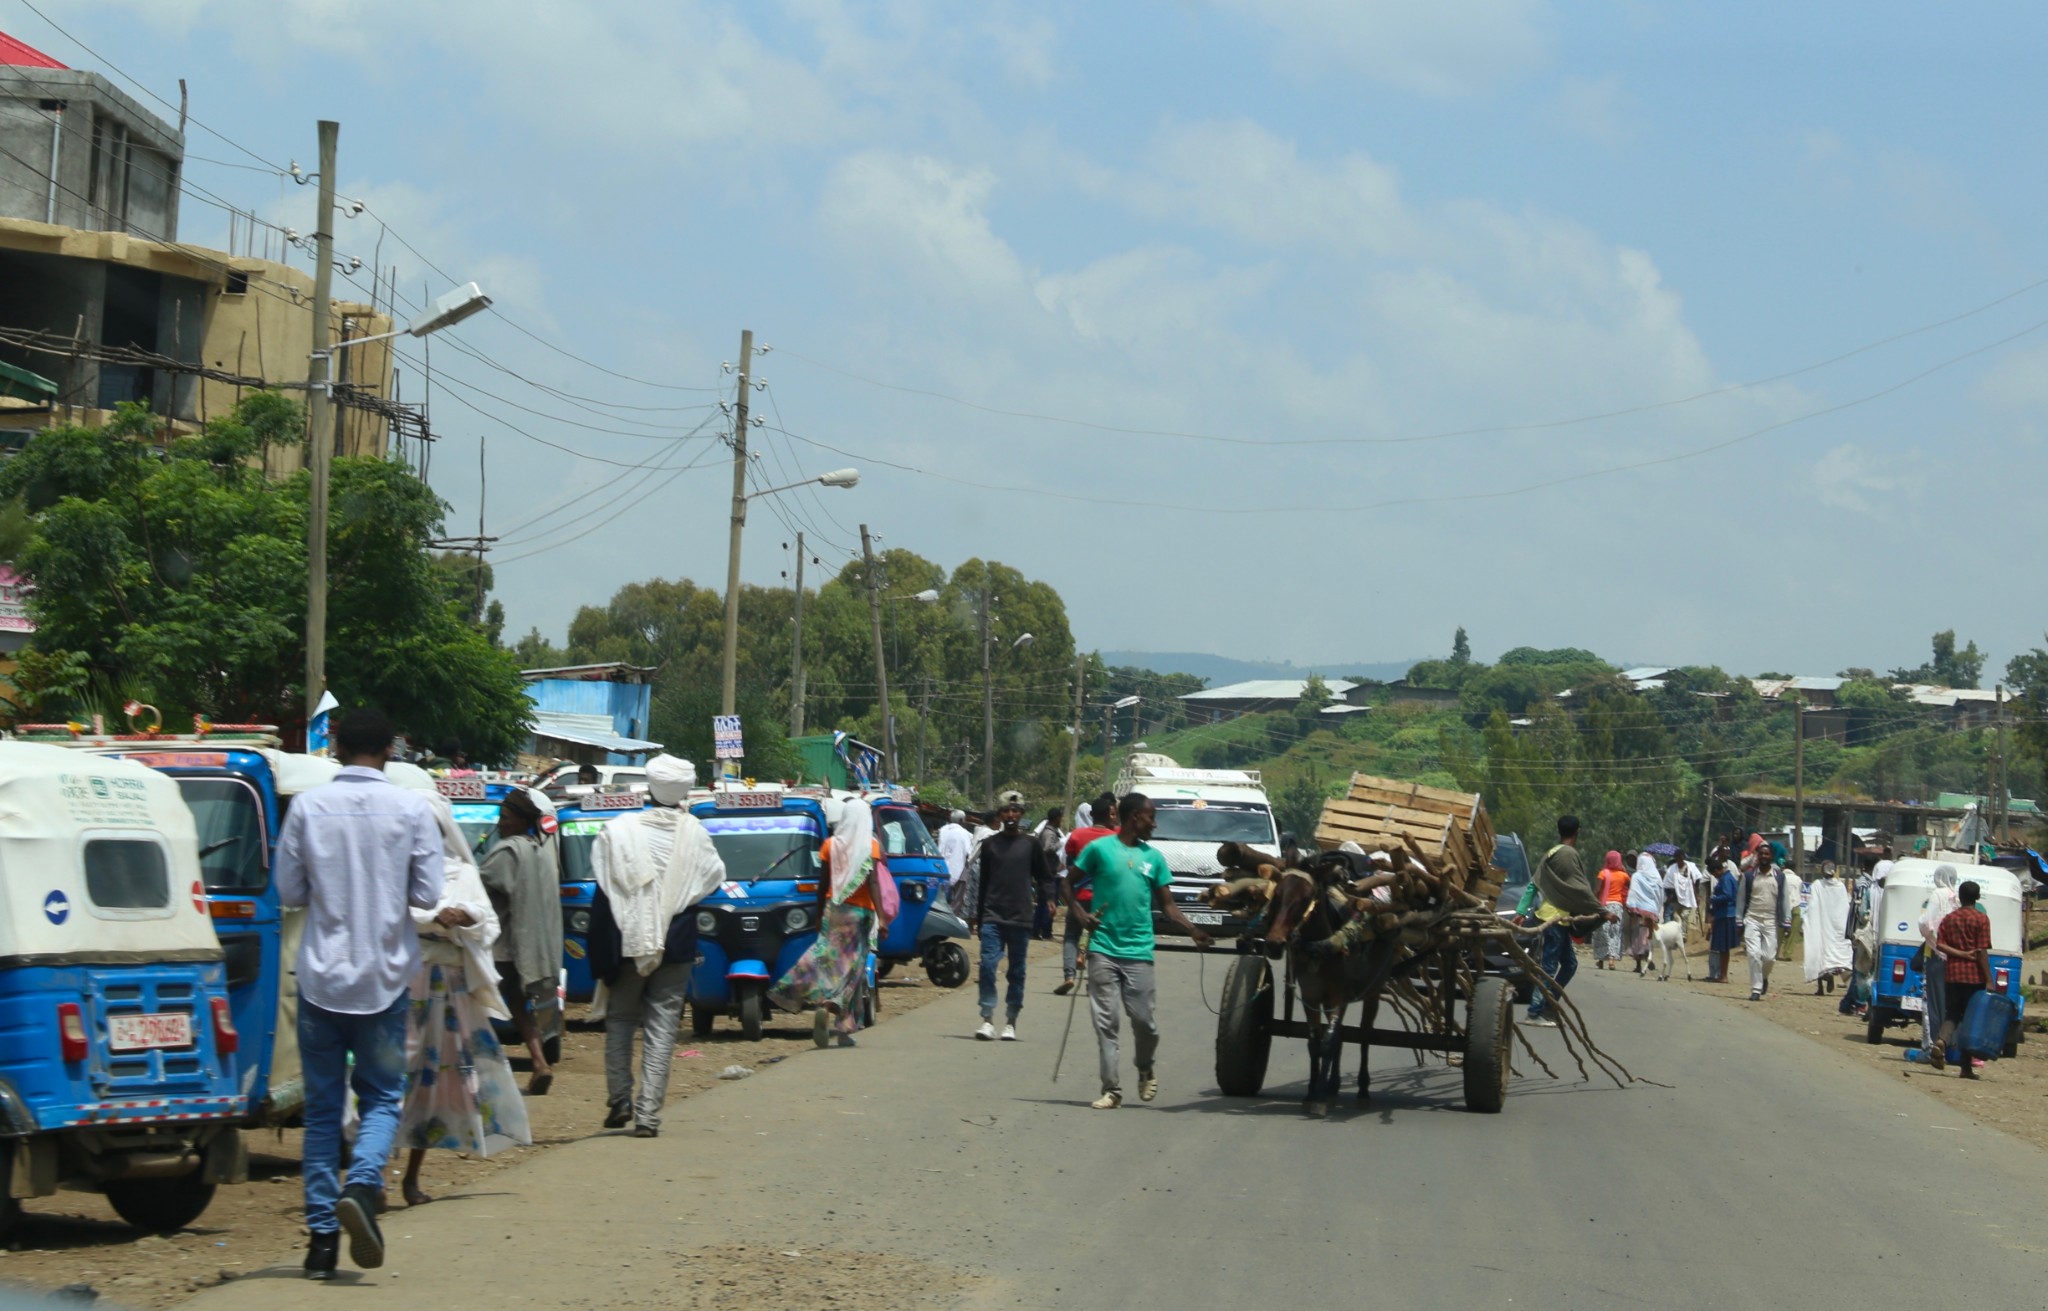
(1448, 831)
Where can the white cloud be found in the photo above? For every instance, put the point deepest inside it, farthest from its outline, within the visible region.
(1027, 51)
(1437, 49)
(921, 214)
(2017, 383)
(1600, 109)
(1849, 477)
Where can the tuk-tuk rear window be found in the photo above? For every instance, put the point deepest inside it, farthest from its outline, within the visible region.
(903, 833)
(126, 874)
(231, 855)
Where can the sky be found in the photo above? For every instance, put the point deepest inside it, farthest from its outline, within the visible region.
(1284, 329)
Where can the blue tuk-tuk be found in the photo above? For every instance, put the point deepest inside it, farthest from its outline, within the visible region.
(765, 915)
(238, 785)
(118, 1041)
(921, 877)
(577, 827)
(1897, 990)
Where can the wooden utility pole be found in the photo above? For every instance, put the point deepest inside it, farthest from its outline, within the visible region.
(2001, 804)
(924, 714)
(796, 658)
(1798, 784)
(1707, 829)
(729, 689)
(867, 554)
(1108, 714)
(320, 436)
(1074, 744)
(988, 702)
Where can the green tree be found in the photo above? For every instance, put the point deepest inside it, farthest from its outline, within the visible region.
(178, 575)
(1461, 647)
(1949, 667)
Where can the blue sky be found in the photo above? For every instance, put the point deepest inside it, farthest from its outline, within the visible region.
(1358, 224)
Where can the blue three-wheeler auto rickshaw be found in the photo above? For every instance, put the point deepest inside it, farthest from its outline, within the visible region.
(756, 925)
(1898, 991)
(117, 1038)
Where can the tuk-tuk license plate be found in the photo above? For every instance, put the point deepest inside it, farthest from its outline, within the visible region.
(134, 1033)
(1204, 917)
(1917, 1005)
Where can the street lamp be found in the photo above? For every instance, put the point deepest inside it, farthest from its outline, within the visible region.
(445, 312)
(740, 496)
(1108, 714)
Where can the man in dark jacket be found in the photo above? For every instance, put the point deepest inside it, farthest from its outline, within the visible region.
(1012, 865)
(1565, 894)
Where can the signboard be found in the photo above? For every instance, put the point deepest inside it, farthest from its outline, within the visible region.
(725, 737)
(611, 801)
(14, 590)
(461, 787)
(749, 800)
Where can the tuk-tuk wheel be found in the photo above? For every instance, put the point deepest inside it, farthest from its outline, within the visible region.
(882, 968)
(1874, 1026)
(701, 1020)
(750, 1014)
(945, 964)
(160, 1206)
(10, 1207)
(2013, 1039)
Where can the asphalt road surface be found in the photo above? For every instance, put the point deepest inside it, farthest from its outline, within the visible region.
(1772, 1172)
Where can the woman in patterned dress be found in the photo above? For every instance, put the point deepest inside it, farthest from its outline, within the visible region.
(828, 977)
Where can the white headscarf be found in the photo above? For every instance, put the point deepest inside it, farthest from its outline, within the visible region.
(1941, 899)
(1084, 815)
(669, 779)
(851, 851)
(1646, 887)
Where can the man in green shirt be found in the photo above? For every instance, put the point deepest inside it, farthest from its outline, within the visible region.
(1130, 879)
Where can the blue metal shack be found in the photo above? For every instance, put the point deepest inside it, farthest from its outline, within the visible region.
(592, 714)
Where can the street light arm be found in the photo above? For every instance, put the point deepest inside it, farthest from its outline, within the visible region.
(837, 478)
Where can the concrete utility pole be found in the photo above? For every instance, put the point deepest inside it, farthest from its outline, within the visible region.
(1707, 828)
(2001, 804)
(1798, 784)
(729, 694)
(796, 659)
(924, 714)
(867, 553)
(988, 703)
(1074, 744)
(1108, 714)
(320, 435)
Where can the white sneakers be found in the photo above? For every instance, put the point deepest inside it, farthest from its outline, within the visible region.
(987, 1031)
(1148, 1086)
(1109, 1101)
(1009, 1033)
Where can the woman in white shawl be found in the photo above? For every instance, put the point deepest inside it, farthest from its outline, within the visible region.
(828, 977)
(1644, 909)
(460, 1095)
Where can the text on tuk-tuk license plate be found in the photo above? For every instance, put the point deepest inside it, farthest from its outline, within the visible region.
(132, 1033)
(1917, 1005)
(1204, 917)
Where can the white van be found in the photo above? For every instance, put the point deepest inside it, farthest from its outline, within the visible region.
(1200, 810)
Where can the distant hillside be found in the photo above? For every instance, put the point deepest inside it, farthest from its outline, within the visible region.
(1222, 670)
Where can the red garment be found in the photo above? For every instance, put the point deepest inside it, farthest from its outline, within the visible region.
(1077, 840)
(1966, 930)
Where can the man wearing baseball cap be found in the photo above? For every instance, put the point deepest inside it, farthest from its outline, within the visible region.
(1012, 865)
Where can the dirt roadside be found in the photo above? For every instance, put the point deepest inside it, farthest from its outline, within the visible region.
(75, 1238)
(2012, 1094)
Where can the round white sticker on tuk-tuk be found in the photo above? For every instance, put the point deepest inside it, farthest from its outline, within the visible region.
(1902, 926)
(57, 907)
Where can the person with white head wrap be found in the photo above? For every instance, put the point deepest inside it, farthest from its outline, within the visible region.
(1644, 908)
(956, 844)
(460, 1094)
(1941, 903)
(524, 880)
(652, 868)
(827, 979)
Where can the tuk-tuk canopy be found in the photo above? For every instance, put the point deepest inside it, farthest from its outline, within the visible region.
(99, 860)
(296, 773)
(1911, 882)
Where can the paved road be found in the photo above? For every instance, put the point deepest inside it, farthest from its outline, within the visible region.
(1772, 1172)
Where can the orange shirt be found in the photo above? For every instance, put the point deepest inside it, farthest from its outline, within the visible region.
(865, 898)
(1614, 885)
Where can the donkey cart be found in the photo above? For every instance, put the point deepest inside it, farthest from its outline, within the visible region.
(1450, 1003)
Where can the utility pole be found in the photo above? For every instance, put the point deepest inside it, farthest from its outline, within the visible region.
(1108, 713)
(796, 659)
(729, 694)
(924, 714)
(867, 553)
(1074, 743)
(320, 436)
(2002, 805)
(1798, 784)
(988, 702)
(1707, 825)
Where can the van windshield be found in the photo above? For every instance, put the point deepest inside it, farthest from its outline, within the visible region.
(1214, 821)
(230, 822)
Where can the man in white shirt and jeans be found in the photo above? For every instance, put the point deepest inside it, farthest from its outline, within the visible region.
(360, 854)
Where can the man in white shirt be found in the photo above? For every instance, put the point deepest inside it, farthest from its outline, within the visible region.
(360, 854)
(1680, 897)
(956, 844)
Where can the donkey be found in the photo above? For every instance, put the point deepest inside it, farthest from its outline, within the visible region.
(1310, 907)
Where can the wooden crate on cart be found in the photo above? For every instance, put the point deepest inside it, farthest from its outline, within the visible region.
(1447, 831)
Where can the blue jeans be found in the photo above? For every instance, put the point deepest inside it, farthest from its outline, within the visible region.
(997, 939)
(1560, 962)
(326, 1041)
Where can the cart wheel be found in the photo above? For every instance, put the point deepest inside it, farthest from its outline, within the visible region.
(946, 965)
(1873, 1027)
(750, 1014)
(701, 1020)
(160, 1205)
(1244, 1029)
(1486, 1050)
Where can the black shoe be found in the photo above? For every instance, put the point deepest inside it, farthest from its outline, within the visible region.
(357, 1211)
(321, 1254)
(618, 1115)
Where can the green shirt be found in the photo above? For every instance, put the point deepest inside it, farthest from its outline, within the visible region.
(1125, 877)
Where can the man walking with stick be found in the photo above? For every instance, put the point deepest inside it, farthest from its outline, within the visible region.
(1130, 879)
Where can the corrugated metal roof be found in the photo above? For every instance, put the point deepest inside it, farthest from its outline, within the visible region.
(1645, 672)
(590, 731)
(1810, 684)
(587, 673)
(1266, 689)
(22, 55)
